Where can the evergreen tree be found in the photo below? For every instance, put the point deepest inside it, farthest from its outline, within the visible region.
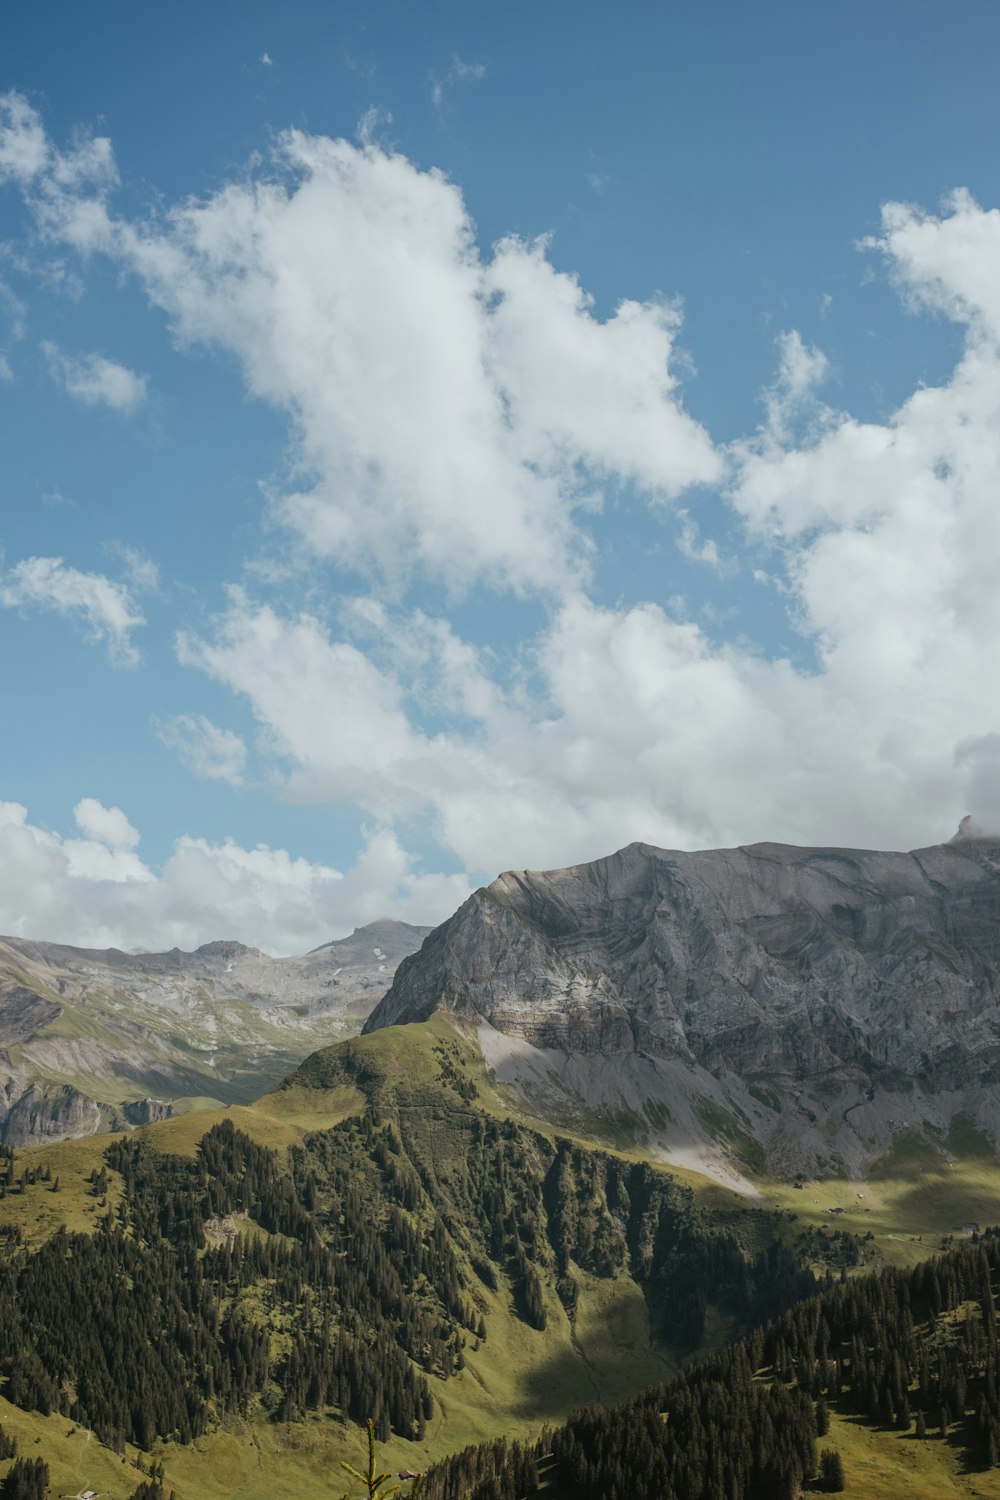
(28, 1479)
(379, 1486)
(831, 1469)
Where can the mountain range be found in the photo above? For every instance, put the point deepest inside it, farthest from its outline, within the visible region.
(761, 1009)
(95, 1040)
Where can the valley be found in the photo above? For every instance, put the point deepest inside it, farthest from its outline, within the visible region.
(523, 1189)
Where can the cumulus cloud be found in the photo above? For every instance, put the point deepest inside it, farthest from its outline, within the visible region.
(349, 286)
(96, 381)
(106, 608)
(585, 393)
(637, 724)
(945, 262)
(639, 728)
(211, 753)
(455, 416)
(347, 728)
(97, 893)
(108, 825)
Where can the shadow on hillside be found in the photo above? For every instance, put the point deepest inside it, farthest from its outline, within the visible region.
(611, 1368)
(550, 1392)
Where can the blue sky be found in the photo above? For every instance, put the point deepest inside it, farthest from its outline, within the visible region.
(440, 439)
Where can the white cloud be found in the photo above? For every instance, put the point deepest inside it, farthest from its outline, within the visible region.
(24, 147)
(946, 263)
(801, 370)
(583, 392)
(348, 730)
(67, 189)
(96, 381)
(107, 609)
(93, 894)
(639, 726)
(211, 753)
(141, 572)
(455, 414)
(6, 372)
(691, 545)
(349, 286)
(108, 825)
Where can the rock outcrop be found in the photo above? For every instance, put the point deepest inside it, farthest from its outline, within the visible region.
(859, 991)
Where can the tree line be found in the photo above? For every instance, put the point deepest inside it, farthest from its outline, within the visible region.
(905, 1350)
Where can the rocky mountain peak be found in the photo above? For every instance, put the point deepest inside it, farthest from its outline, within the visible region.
(820, 970)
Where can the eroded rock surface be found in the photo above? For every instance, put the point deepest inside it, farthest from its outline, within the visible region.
(841, 977)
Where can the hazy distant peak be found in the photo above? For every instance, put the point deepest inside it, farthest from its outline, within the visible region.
(226, 948)
(969, 828)
(379, 932)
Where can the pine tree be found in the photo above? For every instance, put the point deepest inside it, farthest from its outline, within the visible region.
(28, 1479)
(374, 1482)
(831, 1469)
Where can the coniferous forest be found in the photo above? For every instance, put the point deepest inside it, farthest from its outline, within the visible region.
(913, 1350)
(361, 1272)
(345, 1276)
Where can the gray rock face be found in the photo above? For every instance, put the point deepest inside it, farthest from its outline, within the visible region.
(825, 970)
(99, 1039)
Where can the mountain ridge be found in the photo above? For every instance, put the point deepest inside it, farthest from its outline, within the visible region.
(98, 1039)
(821, 999)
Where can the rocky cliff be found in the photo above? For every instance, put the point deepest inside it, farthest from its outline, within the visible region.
(809, 1002)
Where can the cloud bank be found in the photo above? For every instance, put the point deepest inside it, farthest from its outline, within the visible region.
(94, 890)
(456, 421)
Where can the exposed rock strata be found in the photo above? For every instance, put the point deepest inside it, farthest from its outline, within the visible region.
(97, 1039)
(847, 981)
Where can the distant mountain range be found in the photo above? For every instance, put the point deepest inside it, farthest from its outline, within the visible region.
(99, 1039)
(758, 1008)
(768, 1009)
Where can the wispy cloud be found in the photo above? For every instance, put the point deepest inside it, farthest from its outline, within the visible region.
(211, 753)
(106, 608)
(96, 381)
(141, 572)
(459, 72)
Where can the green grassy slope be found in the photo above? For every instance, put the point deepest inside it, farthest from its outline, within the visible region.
(429, 1077)
(432, 1081)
